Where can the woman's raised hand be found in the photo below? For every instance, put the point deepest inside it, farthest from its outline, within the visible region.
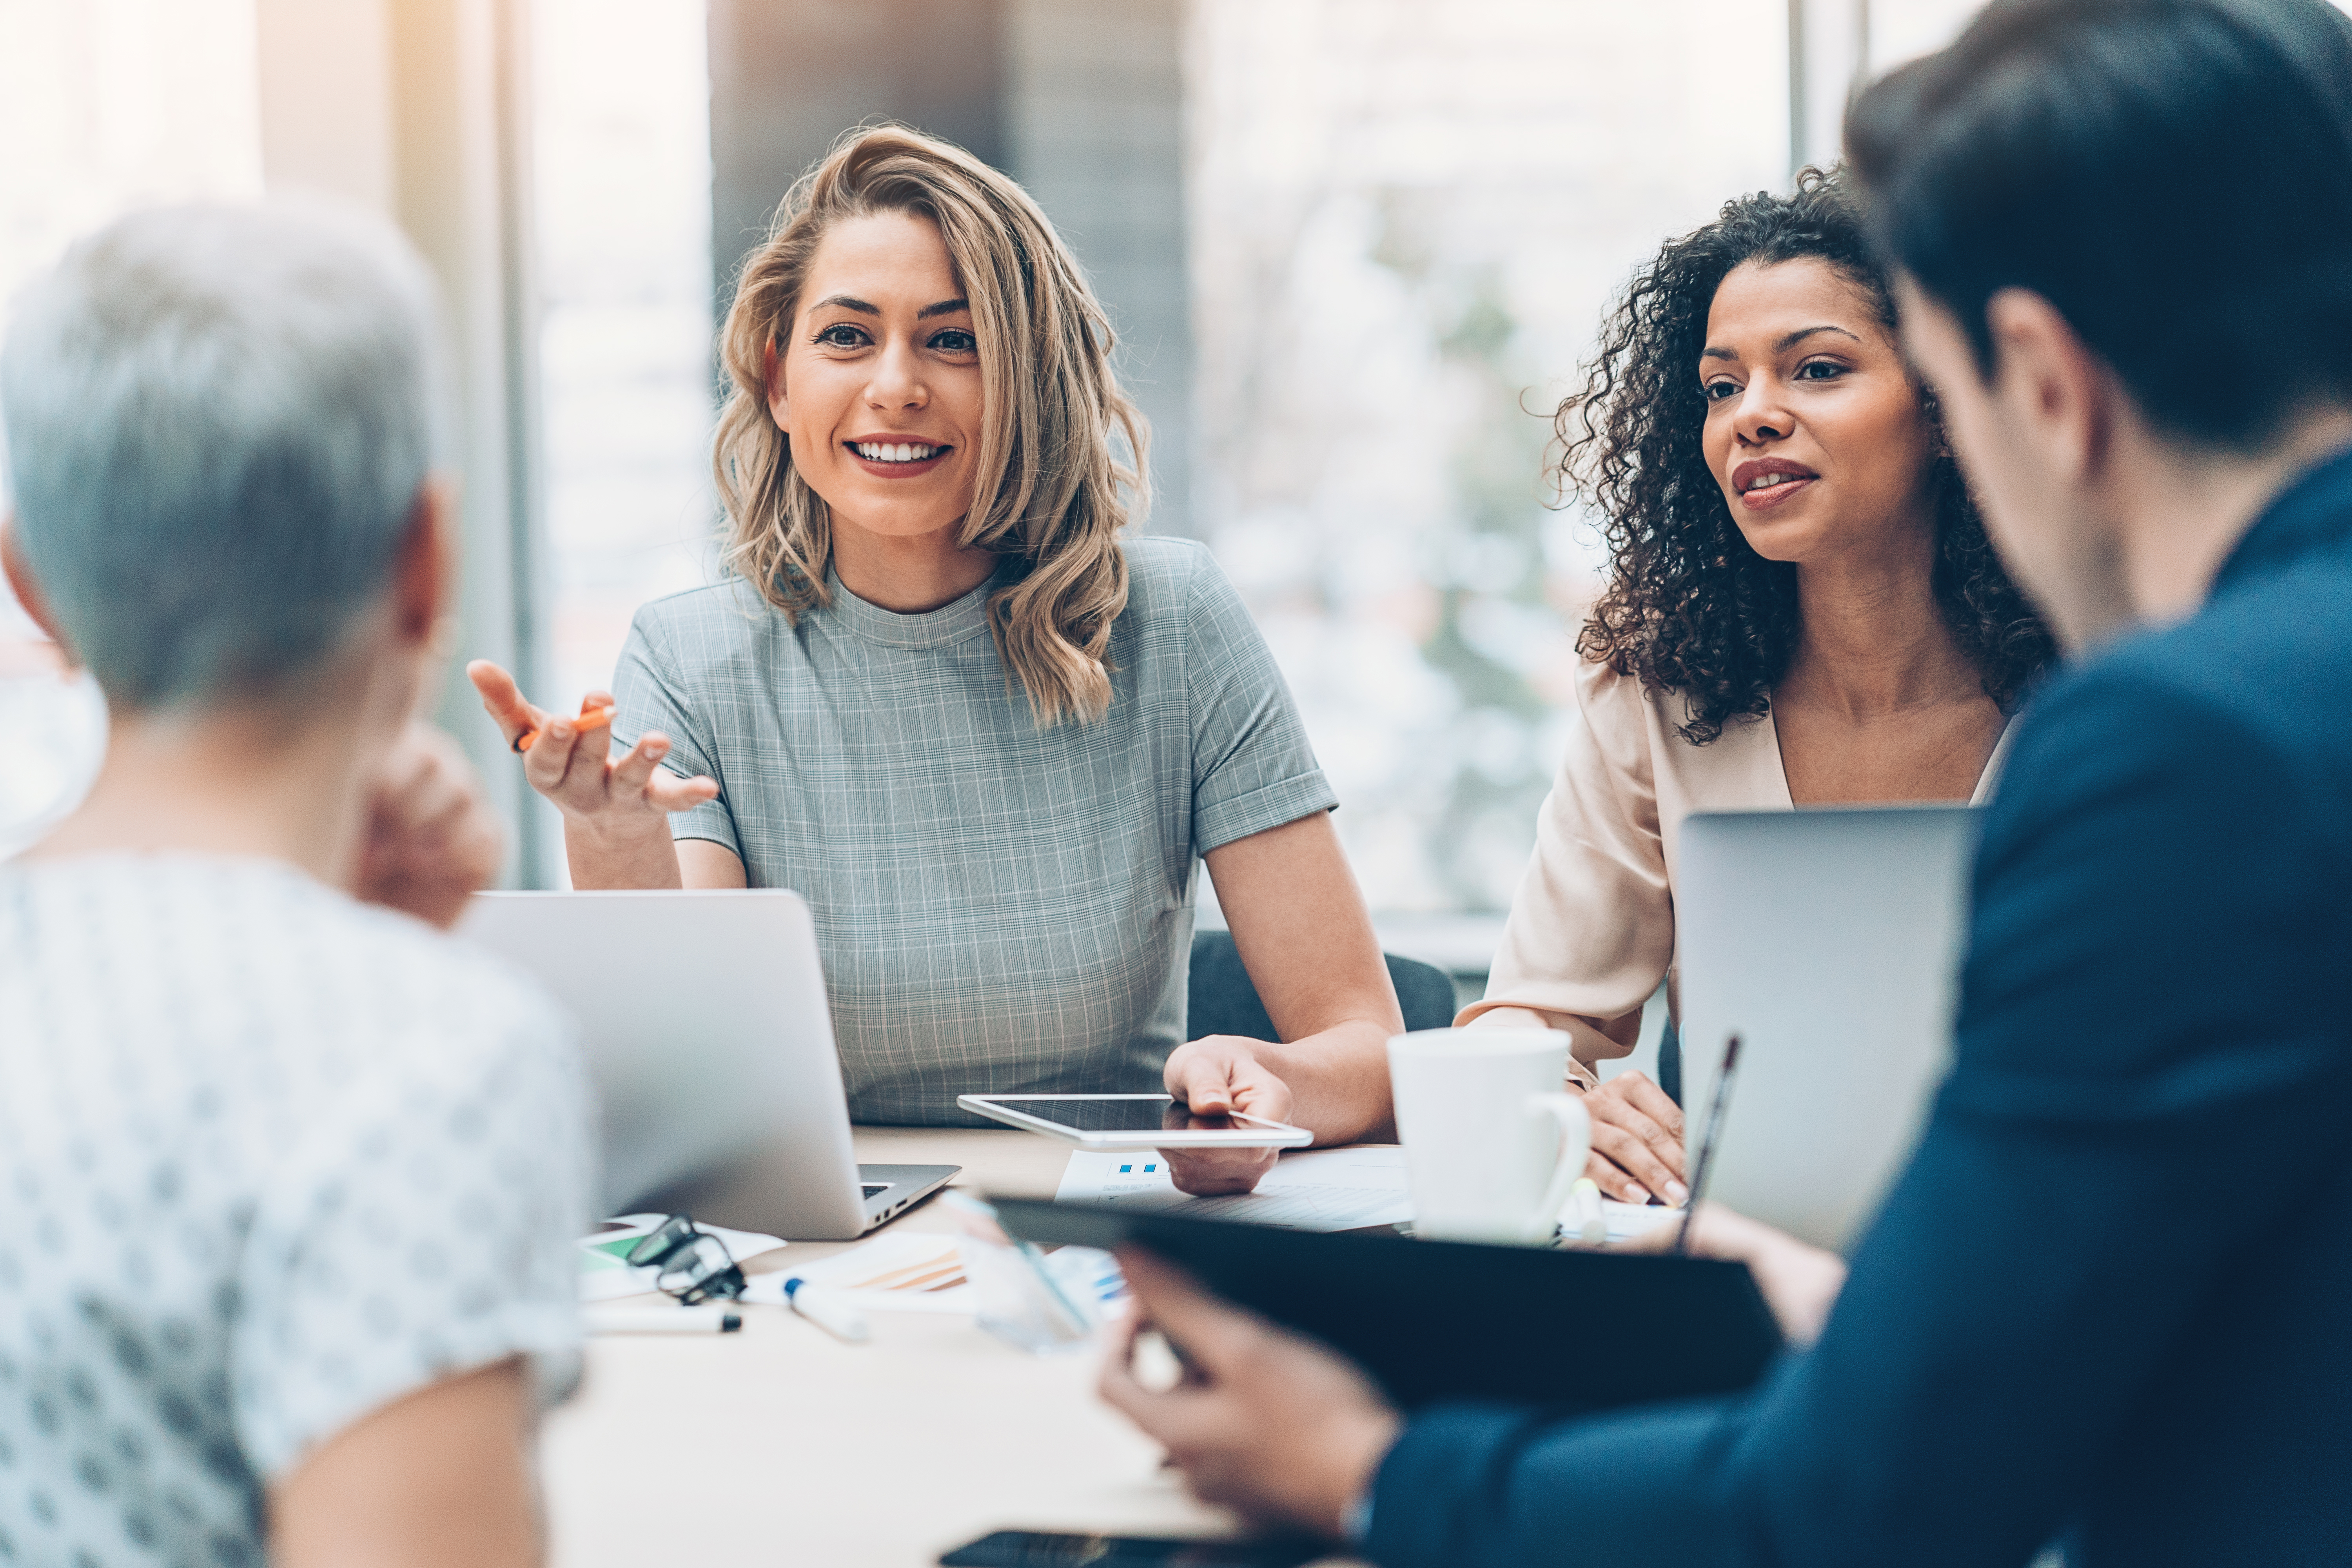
(569, 760)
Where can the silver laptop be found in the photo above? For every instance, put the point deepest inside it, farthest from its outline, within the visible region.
(1828, 940)
(704, 1018)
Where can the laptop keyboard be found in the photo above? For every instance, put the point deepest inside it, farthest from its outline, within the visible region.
(875, 1189)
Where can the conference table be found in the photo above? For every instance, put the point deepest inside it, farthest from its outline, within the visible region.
(781, 1444)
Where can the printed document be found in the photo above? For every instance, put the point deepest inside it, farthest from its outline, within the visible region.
(897, 1271)
(1627, 1221)
(1318, 1189)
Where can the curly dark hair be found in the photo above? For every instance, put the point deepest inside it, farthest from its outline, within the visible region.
(1690, 608)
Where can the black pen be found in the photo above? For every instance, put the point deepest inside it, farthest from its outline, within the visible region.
(1706, 1144)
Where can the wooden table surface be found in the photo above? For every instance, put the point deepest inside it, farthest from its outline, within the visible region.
(781, 1445)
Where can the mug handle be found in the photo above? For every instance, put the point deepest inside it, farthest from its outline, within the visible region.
(1575, 1142)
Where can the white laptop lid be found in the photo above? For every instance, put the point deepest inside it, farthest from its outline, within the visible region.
(703, 1020)
(1830, 941)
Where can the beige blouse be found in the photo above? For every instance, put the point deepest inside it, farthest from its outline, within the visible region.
(1591, 930)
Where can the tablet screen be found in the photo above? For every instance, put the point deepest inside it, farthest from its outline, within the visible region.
(1156, 1114)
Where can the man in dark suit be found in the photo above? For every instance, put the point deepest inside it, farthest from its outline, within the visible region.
(2106, 1304)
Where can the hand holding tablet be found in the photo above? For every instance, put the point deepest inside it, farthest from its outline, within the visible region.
(1109, 1123)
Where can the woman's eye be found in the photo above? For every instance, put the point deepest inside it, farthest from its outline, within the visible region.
(1716, 391)
(1820, 369)
(842, 335)
(955, 341)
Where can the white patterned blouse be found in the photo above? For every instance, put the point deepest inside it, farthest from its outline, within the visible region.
(269, 1160)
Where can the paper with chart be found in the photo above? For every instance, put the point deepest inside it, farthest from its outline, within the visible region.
(1321, 1189)
(1627, 1221)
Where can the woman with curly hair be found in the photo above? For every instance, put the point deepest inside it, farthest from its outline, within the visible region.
(941, 693)
(1801, 608)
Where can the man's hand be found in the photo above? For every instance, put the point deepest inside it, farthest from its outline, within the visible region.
(1263, 1422)
(1215, 1076)
(432, 840)
(1637, 1141)
(1800, 1282)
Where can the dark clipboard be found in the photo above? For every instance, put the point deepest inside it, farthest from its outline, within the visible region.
(1444, 1320)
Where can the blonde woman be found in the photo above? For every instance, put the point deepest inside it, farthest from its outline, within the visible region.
(940, 695)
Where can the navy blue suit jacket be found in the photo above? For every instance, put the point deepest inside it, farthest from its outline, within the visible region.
(2111, 1297)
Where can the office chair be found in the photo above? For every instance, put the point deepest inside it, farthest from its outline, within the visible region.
(1223, 1002)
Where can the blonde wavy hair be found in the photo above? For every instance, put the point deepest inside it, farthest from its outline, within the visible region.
(1050, 490)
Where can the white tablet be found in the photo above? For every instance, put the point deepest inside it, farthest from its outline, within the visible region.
(1109, 1122)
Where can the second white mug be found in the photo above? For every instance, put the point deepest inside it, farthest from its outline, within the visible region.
(1492, 1142)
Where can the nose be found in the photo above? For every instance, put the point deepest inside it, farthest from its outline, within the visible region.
(898, 378)
(1762, 417)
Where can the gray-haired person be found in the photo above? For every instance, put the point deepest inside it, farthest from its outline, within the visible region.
(288, 1180)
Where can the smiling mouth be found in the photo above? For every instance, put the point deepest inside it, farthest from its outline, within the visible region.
(1770, 481)
(897, 452)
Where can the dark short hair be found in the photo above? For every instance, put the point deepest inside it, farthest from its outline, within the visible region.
(2174, 176)
(1689, 607)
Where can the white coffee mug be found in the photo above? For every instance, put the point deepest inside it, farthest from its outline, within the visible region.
(1492, 1142)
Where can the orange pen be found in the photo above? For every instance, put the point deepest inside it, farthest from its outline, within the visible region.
(590, 718)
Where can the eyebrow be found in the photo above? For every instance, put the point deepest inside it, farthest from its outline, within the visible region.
(1783, 345)
(865, 307)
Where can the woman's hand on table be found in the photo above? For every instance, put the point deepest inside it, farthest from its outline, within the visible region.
(1637, 1141)
(1263, 1421)
(1215, 1076)
(432, 840)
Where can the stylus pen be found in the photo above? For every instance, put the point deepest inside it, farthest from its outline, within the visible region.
(1706, 1144)
(661, 1321)
(827, 1310)
(590, 718)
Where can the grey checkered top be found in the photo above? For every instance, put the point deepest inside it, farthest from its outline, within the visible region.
(1001, 907)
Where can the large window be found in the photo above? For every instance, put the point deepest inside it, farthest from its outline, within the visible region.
(1407, 220)
(1404, 224)
(1398, 224)
(104, 105)
(622, 193)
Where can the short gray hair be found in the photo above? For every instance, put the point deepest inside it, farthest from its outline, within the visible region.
(218, 422)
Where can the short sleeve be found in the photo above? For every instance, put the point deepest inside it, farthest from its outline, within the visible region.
(651, 695)
(427, 1225)
(1252, 767)
(1591, 928)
